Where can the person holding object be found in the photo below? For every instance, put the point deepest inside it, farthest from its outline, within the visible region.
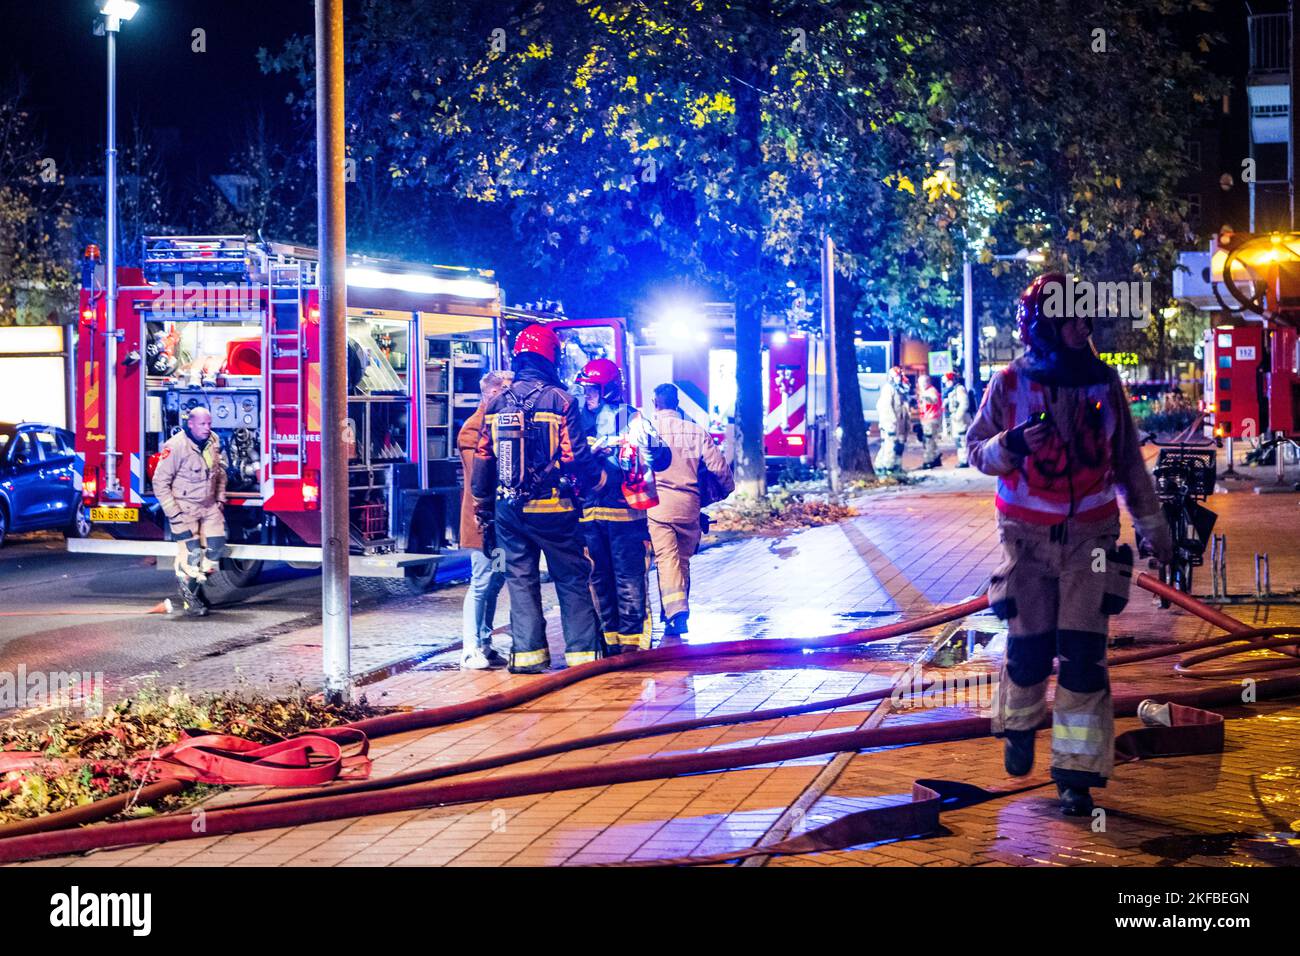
(190, 484)
(487, 576)
(1056, 430)
(614, 519)
(696, 468)
(532, 463)
(930, 407)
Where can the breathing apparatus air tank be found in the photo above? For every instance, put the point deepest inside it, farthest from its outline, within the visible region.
(511, 453)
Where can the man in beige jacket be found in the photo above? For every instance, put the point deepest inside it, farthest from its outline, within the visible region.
(675, 521)
(190, 484)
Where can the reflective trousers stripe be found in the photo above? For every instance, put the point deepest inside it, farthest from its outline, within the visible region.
(579, 657)
(1077, 734)
(542, 506)
(530, 658)
(611, 514)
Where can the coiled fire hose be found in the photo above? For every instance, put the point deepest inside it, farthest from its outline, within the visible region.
(419, 789)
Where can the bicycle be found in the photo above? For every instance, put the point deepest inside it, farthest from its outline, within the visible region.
(1184, 477)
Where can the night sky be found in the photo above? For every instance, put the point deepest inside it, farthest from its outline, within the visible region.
(197, 106)
(197, 103)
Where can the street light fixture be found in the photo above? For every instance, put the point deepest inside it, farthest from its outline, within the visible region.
(119, 9)
(114, 13)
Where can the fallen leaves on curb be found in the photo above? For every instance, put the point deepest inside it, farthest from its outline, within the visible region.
(104, 745)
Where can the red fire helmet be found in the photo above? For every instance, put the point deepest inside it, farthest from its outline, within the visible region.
(1037, 329)
(599, 372)
(540, 340)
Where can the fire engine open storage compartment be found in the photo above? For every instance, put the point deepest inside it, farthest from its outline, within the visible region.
(232, 324)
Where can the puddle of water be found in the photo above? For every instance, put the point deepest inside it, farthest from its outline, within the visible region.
(1276, 847)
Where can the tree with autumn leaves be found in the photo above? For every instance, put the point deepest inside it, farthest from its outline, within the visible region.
(618, 143)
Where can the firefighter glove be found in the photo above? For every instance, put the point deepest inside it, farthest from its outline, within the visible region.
(1154, 537)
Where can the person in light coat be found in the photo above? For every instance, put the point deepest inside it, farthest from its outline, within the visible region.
(894, 422)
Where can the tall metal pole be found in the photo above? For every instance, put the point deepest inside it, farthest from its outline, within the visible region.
(331, 227)
(112, 485)
(833, 401)
(970, 344)
(1291, 133)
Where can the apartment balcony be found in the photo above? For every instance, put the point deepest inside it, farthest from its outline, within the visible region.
(1269, 83)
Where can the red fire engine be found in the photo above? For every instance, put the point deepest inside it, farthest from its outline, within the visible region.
(1233, 384)
(232, 324)
(1253, 364)
(698, 356)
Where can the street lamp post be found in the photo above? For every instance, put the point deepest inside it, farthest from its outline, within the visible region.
(832, 378)
(115, 12)
(336, 600)
(969, 344)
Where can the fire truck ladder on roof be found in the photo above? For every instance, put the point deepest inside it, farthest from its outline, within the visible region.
(284, 348)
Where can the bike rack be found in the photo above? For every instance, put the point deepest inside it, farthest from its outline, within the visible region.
(1262, 576)
(1219, 566)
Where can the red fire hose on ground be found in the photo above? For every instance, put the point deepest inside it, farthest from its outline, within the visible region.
(419, 789)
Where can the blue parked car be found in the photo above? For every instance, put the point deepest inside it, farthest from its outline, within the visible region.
(40, 487)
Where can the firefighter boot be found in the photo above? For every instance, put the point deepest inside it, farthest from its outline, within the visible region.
(1075, 801)
(192, 601)
(1018, 753)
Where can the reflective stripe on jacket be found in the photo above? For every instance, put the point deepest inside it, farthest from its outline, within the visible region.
(1092, 451)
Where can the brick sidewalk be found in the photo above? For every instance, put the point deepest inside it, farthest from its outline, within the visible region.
(909, 551)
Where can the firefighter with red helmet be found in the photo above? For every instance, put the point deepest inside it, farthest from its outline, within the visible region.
(1056, 430)
(614, 518)
(929, 405)
(532, 451)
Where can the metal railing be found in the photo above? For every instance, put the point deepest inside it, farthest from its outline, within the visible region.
(1270, 43)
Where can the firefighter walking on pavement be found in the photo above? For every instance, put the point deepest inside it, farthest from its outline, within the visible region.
(614, 518)
(1056, 430)
(696, 476)
(893, 415)
(531, 452)
(957, 403)
(190, 484)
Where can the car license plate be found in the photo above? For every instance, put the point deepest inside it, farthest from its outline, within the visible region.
(115, 515)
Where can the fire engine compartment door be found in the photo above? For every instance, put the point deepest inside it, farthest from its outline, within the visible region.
(583, 340)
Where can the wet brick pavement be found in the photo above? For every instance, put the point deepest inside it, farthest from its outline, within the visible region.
(907, 552)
